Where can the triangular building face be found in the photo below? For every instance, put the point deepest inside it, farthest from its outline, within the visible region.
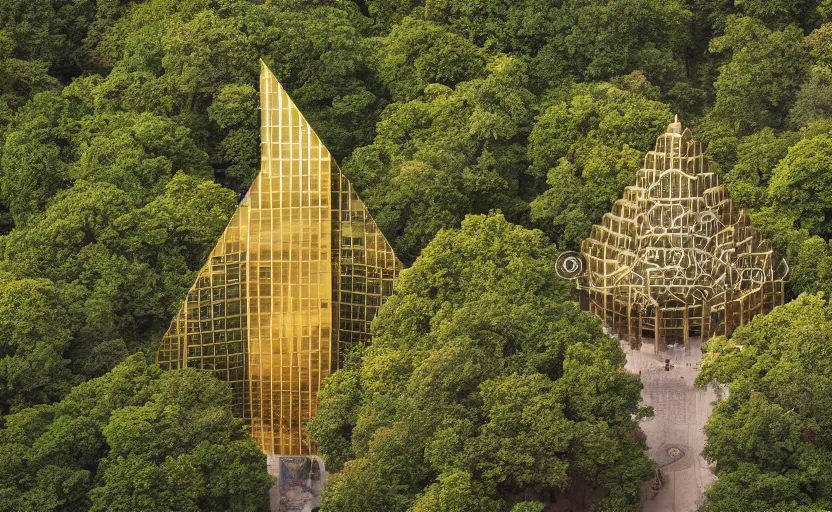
(293, 282)
(675, 258)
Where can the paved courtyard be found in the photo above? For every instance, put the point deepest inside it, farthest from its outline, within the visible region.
(674, 435)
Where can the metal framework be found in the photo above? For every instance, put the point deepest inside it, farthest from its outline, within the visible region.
(293, 282)
(674, 258)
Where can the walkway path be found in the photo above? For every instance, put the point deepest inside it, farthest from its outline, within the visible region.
(674, 435)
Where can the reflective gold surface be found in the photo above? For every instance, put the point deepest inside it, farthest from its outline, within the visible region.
(294, 281)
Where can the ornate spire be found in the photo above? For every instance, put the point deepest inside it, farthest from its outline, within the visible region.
(674, 257)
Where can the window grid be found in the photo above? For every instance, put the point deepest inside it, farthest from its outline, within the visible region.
(294, 281)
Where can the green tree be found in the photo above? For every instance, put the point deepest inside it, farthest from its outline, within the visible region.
(769, 438)
(20, 79)
(416, 53)
(135, 438)
(384, 13)
(777, 14)
(180, 58)
(589, 148)
(127, 267)
(235, 109)
(757, 156)
(32, 167)
(456, 492)
(65, 36)
(138, 153)
(173, 234)
(812, 265)
(181, 449)
(801, 186)
(484, 383)
(445, 154)
(758, 85)
(812, 102)
(612, 38)
(586, 40)
(521, 27)
(35, 337)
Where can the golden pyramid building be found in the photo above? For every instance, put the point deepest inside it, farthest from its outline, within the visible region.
(675, 257)
(293, 282)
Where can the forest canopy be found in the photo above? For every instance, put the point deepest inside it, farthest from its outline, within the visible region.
(129, 132)
(484, 379)
(769, 438)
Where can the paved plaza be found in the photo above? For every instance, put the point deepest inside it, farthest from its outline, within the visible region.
(674, 435)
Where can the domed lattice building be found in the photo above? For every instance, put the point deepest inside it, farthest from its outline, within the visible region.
(675, 258)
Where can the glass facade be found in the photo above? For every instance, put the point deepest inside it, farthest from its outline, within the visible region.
(293, 282)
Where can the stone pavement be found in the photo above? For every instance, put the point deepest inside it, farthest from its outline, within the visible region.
(674, 435)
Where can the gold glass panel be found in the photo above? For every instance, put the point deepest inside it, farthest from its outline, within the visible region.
(293, 282)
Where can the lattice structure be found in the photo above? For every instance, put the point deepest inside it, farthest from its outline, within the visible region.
(675, 258)
(293, 282)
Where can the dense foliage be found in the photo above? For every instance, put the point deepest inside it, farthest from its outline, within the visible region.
(133, 439)
(129, 128)
(484, 386)
(769, 439)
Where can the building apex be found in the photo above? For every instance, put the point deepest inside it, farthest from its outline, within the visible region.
(675, 127)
